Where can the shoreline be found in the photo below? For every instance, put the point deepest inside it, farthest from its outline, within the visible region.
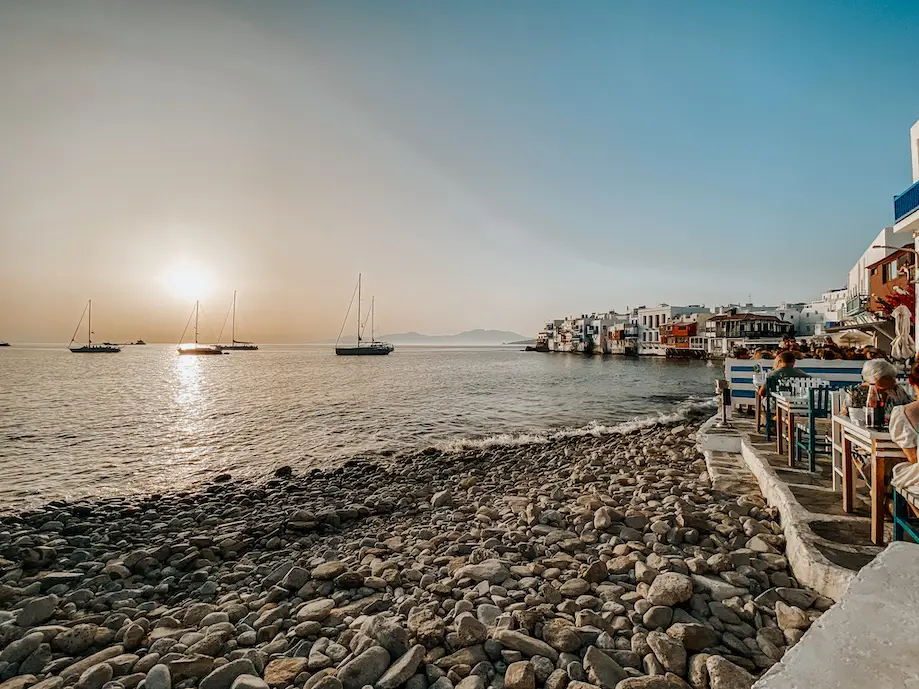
(604, 559)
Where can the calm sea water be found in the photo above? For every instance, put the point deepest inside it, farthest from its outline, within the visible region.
(148, 420)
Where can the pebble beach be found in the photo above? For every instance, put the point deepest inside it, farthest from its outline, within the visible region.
(604, 560)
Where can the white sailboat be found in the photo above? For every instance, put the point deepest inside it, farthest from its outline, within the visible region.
(89, 347)
(372, 348)
(235, 345)
(196, 348)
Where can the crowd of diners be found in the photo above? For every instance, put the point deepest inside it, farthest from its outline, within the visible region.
(881, 375)
(824, 349)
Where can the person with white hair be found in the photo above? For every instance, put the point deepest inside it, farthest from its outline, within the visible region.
(882, 375)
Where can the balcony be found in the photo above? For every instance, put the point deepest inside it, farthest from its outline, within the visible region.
(904, 210)
(856, 305)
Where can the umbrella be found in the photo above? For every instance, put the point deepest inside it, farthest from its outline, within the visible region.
(853, 338)
(903, 345)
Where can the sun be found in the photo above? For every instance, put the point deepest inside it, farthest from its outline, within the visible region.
(187, 280)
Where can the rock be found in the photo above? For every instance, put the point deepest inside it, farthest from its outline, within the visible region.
(723, 674)
(520, 675)
(76, 669)
(75, 640)
(557, 680)
(790, 617)
(602, 670)
(489, 570)
(365, 669)
(224, 676)
(329, 570)
(37, 610)
(401, 670)
(465, 656)
(249, 682)
(469, 630)
(426, 626)
(697, 674)
(574, 587)
(670, 589)
(442, 499)
(669, 652)
(527, 645)
(561, 635)
(315, 610)
(95, 677)
(188, 667)
(658, 616)
(19, 650)
(327, 682)
(282, 671)
(796, 597)
(471, 682)
(20, 682)
(718, 589)
(648, 682)
(158, 678)
(694, 637)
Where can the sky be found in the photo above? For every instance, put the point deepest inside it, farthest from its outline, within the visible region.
(483, 164)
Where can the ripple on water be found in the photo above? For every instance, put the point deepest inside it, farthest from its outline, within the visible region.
(148, 420)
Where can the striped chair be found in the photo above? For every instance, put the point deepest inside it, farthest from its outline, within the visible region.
(807, 438)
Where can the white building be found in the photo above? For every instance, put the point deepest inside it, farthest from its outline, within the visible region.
(906, 206)
(650, 319)
(818, 315)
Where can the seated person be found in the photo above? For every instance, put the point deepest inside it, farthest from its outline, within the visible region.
(784, 368)
(881, 374)
(904, 421)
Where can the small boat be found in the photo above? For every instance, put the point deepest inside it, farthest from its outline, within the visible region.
(196, 348)
(139, 342)
(235, 345)
(89, 347)
(373, 348)
(4, 344)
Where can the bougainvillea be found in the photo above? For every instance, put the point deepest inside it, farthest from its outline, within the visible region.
(905, 297)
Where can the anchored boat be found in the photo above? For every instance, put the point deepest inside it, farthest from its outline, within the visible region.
(196, 348)
(372, 348)
(235, 345)
(89, 347)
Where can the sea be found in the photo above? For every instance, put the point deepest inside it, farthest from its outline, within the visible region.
(147, 420)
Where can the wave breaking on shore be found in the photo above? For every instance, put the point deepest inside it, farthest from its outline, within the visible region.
(690, 408)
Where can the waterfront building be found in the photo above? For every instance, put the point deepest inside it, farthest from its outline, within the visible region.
(906, 205)
(684, 335)
(649, 321)
(827, 312)
(727, 331)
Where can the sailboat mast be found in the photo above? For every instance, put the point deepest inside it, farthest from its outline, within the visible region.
(373, 301)
(196, 323)
(233, 338)
(90, 322)
(358, 309)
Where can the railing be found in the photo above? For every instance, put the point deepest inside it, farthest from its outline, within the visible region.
(906, 203)
(856, 305)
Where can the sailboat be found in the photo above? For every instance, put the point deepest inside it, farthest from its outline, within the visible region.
(235, 345)
(373, 348)
(89, 347)
(196, 348)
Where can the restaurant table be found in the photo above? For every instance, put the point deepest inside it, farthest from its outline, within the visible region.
(792, 407)
(883, 452)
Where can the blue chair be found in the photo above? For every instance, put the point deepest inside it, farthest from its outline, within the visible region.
(806, 437)
(772, 385)
(903, 520)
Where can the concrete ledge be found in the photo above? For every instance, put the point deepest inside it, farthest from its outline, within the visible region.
(804, 549)
(868, 639)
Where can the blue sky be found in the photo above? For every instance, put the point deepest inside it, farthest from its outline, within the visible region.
(487, 164)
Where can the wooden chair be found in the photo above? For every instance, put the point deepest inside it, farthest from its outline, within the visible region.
(807, 439)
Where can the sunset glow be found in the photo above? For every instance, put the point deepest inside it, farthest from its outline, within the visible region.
(188, 280)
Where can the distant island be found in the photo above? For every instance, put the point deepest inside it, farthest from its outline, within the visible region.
(469, 337)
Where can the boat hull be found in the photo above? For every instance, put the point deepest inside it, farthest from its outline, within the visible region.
(238, 348)
(369, 350)
(200, 351)
(96, 349)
